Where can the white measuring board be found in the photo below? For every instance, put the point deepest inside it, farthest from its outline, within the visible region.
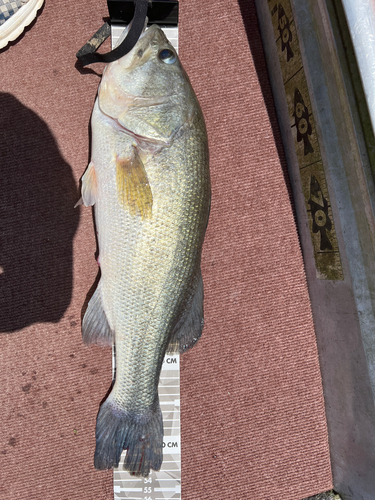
(166, 483)
(171, 34)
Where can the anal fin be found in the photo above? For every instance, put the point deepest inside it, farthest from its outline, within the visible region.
(95, 326)
(190, 325)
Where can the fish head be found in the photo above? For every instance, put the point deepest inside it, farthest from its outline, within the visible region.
(147, 91)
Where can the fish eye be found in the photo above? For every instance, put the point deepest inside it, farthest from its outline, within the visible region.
(167, 56)
(140, 53)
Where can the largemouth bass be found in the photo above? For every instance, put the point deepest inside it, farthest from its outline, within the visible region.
(149, 182)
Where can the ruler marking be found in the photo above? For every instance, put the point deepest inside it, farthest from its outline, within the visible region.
(133, 490)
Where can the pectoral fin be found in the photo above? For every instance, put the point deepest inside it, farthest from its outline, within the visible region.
(89, 186)
(133, 188)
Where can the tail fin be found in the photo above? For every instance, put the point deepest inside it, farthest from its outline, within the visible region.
(140, 434)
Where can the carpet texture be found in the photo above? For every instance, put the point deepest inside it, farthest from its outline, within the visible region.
(253, 422)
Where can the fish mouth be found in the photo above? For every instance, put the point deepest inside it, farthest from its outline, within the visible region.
(147, 33)
(152, 31)
(148, 43)
(124, 34)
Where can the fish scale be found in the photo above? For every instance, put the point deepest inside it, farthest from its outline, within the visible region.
(148, 180)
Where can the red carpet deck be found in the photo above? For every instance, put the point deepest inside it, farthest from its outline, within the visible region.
(253, 422)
